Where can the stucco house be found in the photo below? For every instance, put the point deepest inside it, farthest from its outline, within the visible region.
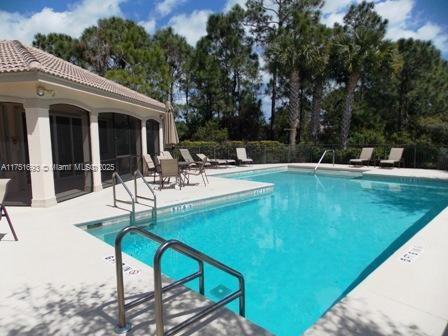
(64, 130)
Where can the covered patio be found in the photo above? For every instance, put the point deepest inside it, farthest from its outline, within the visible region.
(64, 130)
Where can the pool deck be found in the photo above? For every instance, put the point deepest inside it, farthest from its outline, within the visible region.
(54, 281)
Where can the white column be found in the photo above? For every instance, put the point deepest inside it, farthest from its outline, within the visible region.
(144, 147)
(40, 154)
(144, 140)
(161, 140)
(95, 149)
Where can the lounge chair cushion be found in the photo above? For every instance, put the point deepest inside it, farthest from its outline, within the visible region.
(218, 161)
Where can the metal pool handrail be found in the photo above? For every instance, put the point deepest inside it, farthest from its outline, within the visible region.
(138, 174)
(186, 250)
(115, 177)
(322, 157)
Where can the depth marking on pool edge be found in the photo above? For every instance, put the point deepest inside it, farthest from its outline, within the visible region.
(127, 269)
(411, 254)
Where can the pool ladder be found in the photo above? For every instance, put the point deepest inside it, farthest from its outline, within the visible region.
(322, 157)
(123, 326)
(133, 197)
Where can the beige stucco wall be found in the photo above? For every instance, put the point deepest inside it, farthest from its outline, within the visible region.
(22, 88)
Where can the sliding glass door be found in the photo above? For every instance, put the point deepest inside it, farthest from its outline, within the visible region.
(152, 137)
(14, 154)
(120, 145)
(71, 151)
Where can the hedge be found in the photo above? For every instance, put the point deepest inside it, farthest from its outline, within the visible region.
(421, 155)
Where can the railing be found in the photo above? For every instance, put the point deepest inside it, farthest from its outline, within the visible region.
(322, 157)
(426, 156)
(123, 326)
(138, 174)
(115, 177)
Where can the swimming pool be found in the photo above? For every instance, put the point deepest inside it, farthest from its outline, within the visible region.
(301, 248)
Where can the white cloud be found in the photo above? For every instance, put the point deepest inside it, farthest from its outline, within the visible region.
(397, 12)
(230, 3)
(403, 20)
(165, 7)
(192, 26)
(71, 22)
(331, 18)
(333, 11)
(404, 24)
(265, 74)
(149, 25)
(335, 6)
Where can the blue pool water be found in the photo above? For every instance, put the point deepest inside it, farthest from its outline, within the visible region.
(301, 248)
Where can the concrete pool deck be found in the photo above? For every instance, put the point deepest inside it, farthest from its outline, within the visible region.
(55, 281)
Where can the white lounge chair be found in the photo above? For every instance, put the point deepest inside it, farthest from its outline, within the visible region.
(216, 162)
(395, 156)
(364, 157)
(241, 156)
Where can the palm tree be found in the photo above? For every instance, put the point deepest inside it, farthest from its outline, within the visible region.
(321, 44)
(359, 43)
(275, 23)
(295, 52)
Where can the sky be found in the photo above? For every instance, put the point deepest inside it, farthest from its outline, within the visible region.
(22, 19)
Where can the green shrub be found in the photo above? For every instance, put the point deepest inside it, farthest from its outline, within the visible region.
(211, 132)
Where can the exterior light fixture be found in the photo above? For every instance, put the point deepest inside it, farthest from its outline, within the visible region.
(41, 91)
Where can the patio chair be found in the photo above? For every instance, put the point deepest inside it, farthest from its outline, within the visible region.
(185, 153)
(364, 157)
(197, 170)
(151, 167)
(3, 212)
(216, 162)
(203, 158)
(395, 156)
(166, 155)
(169, 168)
(207, 161)
(241, 156)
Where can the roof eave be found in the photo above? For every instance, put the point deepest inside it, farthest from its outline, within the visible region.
(39, 76)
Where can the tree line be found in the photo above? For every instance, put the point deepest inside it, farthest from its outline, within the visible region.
(342, 85)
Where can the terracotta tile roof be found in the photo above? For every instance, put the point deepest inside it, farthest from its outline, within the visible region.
(16, 57)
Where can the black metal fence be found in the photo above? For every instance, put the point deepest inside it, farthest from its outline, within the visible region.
(415, 155)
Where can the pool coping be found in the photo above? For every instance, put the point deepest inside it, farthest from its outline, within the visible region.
(189, 205)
